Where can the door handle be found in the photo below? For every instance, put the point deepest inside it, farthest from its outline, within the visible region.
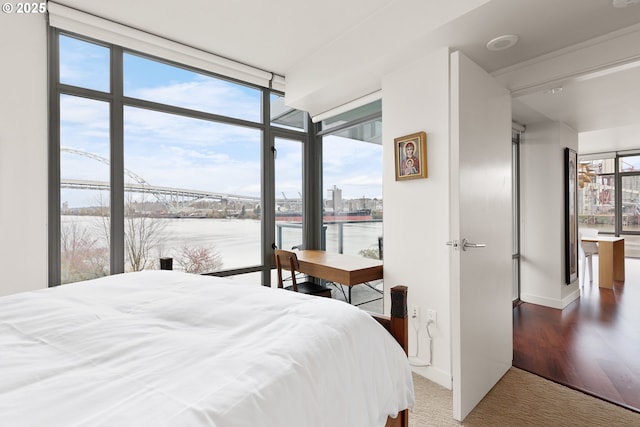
(454, 243)
(466, 244)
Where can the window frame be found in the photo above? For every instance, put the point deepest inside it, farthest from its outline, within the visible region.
(352, 119)
(117, 102)
(617, 175)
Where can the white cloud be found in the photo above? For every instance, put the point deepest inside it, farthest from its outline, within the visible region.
(208, 95)
(84, 64)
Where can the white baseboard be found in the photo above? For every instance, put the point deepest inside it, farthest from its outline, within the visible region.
(551, 302)
(545, 301)
(571, 298)
(436, 375)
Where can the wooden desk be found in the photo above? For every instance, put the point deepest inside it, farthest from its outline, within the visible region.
(610, 259)
(349, 270)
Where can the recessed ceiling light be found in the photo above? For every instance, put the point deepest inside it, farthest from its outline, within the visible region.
(502, 42)
(624, 3)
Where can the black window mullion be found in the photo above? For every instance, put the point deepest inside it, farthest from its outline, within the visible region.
(54, 160)
(65, 89)
(117, 163)
(268, 190)
(312, 185)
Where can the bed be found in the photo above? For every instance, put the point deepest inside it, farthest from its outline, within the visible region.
(165, 348)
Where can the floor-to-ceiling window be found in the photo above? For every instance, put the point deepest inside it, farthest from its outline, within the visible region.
(352, 181)
(154, 159)
(84, 159)
(352, 203)
(628, 213)
(609, 196)
(288, 172)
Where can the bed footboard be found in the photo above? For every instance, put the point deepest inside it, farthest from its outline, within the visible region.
(397, 322)
(397, 325)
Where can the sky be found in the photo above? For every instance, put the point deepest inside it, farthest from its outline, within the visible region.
(176, 151)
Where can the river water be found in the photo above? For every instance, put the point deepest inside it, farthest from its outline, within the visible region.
(237, 241)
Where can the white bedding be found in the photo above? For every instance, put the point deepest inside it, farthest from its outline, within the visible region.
(163, 348)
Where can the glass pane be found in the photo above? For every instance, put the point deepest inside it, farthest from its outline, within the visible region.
(84, 64)
(632, 245)
(192, 192)
(288, 187)
(84, 188)
(600, 166)
(286, 117)
(631, 203)
(154, 81)
(368, 132)
(373, 108)
(596, 195)
(629, 164)
(352, 175)
(354, 236)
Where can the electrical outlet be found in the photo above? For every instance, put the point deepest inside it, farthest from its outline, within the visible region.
(414, 313)
(432, 316)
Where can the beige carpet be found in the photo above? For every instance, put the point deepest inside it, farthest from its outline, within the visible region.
(519, 399)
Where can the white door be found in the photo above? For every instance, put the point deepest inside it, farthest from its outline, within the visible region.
(480, 214)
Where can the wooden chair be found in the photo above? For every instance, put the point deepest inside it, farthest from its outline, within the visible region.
(286, 260)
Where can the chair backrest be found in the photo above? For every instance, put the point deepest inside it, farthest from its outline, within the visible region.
(589, 232)
(588, 248)
(286, 260)
(580, 245)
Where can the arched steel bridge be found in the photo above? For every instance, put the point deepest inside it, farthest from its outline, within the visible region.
(172, 198)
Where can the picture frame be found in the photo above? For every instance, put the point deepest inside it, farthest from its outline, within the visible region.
(411, 156)
(571, 215)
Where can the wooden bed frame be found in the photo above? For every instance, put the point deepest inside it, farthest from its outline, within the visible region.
(397, 325)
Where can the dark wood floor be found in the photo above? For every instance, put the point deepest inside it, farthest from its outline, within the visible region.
(593, 345)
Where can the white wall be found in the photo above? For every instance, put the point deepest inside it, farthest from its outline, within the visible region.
(416, 212)
(542, 214)
(603, 140)
(23, 153)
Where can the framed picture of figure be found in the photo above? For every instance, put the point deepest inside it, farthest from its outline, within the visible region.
(411, 156)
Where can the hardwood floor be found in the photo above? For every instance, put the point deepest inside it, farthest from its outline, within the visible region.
(593, 345)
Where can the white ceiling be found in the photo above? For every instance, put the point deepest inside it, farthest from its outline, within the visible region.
(304, 41)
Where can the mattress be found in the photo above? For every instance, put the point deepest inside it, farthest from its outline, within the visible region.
(164, 348)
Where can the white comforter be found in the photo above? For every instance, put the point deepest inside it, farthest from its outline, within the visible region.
(164, 348)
